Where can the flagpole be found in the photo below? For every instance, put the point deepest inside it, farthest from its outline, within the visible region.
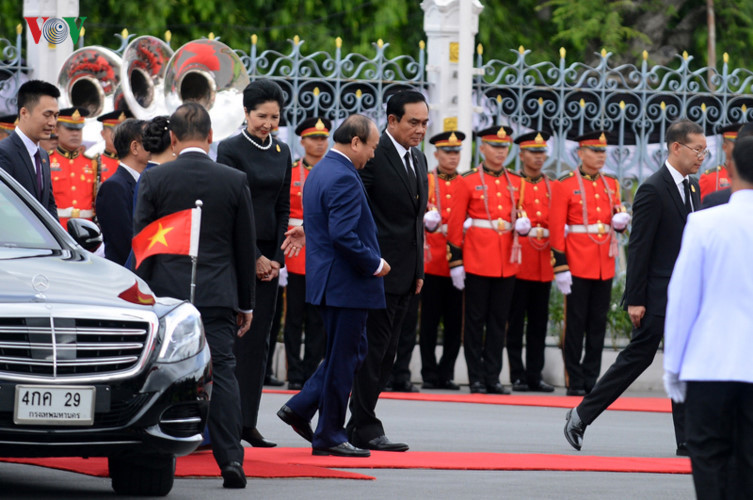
(195, 257)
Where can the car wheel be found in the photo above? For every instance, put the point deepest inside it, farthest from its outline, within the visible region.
(143, 475)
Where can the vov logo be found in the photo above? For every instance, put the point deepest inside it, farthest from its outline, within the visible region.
(54, 29)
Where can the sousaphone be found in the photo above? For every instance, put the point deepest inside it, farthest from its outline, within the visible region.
(143, 75)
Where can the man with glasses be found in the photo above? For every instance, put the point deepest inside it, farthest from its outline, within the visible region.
(660, 209)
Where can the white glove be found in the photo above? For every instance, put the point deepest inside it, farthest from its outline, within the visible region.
(468, 223)
(283, 279)
(432, 219)
(522, 225)
(564, 282)
(674, 386)
(620, 221)
(567, 230)
(458, 277)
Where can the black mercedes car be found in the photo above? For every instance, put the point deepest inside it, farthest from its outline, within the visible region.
(91, 362)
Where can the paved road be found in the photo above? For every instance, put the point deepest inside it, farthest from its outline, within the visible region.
(430, 426)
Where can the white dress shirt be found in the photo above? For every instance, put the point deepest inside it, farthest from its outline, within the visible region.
(678, 178)
(708, 332)
(31, 147)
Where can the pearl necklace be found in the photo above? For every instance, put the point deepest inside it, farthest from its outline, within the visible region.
(263, 148)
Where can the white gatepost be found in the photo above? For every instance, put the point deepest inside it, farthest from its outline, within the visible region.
(43, 57)
(451, 27)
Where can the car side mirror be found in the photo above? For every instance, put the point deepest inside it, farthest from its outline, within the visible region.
(86, 233)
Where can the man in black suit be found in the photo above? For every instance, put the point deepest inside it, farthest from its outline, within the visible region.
(20, 154)
(225, 277)
(396, 183)
(662, 204)
(115, 196)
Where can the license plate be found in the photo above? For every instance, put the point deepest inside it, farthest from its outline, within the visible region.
(54, 405)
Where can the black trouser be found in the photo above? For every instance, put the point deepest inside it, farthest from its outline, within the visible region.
(383, 331)
(407, 342)
(251, 352)
(487, 305)
(298, 313)
(586, 313)
(719, 417)
(530, 299)
(274, 330)
(630, 363)
(440, 300)
(224, 407)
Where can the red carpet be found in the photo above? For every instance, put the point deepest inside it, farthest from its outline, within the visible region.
(661, 405)
(298, 462)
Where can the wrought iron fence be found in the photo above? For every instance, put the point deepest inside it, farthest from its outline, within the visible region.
(12, 72)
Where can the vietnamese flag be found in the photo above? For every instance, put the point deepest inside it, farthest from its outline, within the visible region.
(176, 234)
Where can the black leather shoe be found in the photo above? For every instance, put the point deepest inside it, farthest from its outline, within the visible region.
(298, 423)
(449, 385)
(382, 443)
(295, 386)
(576, 392)
(519, 386)
(497, 389)
(342, 450)
(430, 385)
(404, 387)
(682, 450)
(574, 429)
(541, 387)
(233, 476)
(273, 381)
(255, 439)
(477, 388)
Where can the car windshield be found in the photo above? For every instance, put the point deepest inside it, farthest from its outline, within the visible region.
(20, 226)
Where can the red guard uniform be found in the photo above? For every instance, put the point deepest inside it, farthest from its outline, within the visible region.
(108, 164)
(585, 203)
(713, 179)
(490, 253)
(72, 184)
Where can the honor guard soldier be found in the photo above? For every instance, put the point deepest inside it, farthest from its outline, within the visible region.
(72, 173)
(440, 300)
(534, 279)
(7, 125)
(107, 162)
(314, 134)
(717, 178)
(589, 203)
(489, 252)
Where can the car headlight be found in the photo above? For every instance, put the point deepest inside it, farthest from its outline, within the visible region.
(182, 334)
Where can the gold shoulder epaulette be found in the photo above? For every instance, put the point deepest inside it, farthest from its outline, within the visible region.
(471, 171)
(611, 176)
(513, 172)
(565, 176)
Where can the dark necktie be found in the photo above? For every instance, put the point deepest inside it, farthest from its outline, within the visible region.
(688, 205)
(410, 172)
(38, 166)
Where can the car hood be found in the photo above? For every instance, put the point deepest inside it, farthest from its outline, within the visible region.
(71, 277)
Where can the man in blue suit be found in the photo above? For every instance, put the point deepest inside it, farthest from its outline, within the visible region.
(344, 278)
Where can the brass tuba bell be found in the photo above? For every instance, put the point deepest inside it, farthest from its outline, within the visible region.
(89, 78)
(143, 74)
(210, 73)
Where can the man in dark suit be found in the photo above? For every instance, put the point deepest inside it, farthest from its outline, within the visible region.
(115, 197)
(395, 182)
(662, 204)
(344, 270)
(20, 154)
(225, 277)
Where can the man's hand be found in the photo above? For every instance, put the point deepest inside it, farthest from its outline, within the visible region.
(264, 269)
(295, 239)
(636, 314)
(419, 285)
(675, 387)
(244, 322)
(458, 277)
(620, 221)
(385, 269)
(523, 226)
(564, 282)
(432, 219)
(467, 223)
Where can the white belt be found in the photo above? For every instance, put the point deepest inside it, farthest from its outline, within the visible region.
(443, 228)
(295, 222)
(538, 233)
(497, 225)
(598, 228)
(75, 213)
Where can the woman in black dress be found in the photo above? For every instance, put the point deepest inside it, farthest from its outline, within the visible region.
(267, 163)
